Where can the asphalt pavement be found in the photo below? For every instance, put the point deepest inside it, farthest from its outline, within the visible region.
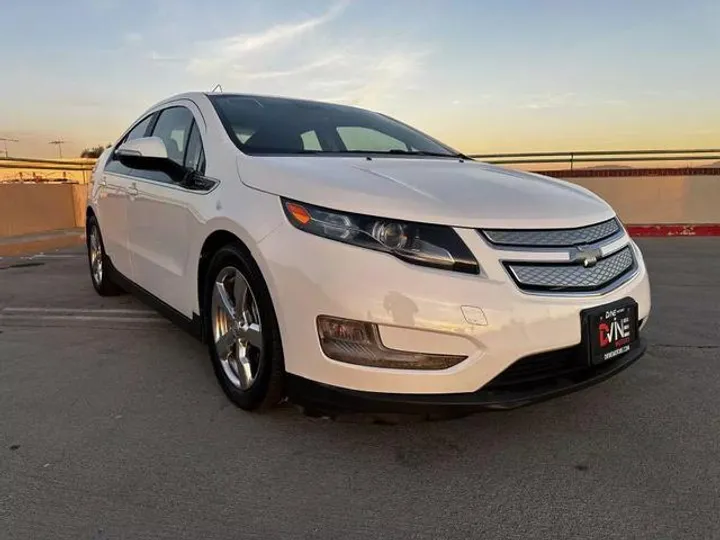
(112, 426)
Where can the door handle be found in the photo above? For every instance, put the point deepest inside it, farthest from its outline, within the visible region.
(133, 190)
(103, 181)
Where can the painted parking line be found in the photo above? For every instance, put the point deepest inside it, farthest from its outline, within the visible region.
(42, 255)
(80, 310)
(4, 317)
(57, 256)
(22, 316)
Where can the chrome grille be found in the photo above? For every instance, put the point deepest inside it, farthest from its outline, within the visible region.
(553, 237)
(554, 277)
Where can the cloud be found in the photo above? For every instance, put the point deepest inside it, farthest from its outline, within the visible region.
(219, 55)
(570, 100)
(132, 38)
(326, 84)
(550, 101)
(304, 58)
(383, 75)
(369, 78)
(616, 102)
(334, 59)
(157, 57)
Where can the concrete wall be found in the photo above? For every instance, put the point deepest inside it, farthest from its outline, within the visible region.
(650, 200)
(639, 200)
(36, 208)
(80, 193)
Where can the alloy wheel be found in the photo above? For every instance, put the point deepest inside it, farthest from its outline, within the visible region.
(96, 255)
(236, 327)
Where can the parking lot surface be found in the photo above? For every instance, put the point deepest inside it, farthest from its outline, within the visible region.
(112, 426)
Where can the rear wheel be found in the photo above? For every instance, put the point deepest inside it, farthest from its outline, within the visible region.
(97, 259)
(243, 334)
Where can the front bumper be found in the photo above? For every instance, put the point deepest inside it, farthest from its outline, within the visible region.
(485, 318)
(331, 398)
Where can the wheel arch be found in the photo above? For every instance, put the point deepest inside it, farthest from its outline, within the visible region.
(213, 242)
(216, 240)
(271, 388)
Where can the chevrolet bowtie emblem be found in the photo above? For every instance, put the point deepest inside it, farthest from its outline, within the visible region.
(586, 256)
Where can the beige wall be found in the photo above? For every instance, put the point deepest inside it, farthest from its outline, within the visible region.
(35, 208)
(80, 203)
(651, 200)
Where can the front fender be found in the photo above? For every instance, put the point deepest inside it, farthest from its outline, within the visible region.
(250, 222)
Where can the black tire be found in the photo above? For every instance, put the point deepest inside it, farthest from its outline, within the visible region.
(103, 284)
(268, 388)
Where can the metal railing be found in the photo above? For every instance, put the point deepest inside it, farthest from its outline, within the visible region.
(58, 160)
(47, 170)
(572, 157)
(79, 163)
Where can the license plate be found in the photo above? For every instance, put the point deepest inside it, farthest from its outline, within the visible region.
(610, 330)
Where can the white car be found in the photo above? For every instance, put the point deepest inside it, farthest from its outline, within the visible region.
(343, 259)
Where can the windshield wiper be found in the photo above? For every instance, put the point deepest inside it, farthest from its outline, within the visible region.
(424, 153)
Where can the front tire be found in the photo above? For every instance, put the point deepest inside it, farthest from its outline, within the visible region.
(98, 261)
(242, 331)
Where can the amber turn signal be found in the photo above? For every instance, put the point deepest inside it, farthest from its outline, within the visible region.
(299, 213)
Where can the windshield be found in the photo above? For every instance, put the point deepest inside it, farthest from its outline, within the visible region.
(265, 125)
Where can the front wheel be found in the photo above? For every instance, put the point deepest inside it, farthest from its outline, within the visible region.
(97, 259)
(242, 329)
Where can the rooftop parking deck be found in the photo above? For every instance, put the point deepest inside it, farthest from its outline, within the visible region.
(112, 425)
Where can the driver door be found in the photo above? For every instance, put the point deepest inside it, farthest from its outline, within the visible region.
(161, 216)
(114, 193)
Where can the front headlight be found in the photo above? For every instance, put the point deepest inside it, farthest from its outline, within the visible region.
(417, 243)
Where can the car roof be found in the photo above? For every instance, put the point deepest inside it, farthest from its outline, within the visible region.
(195, 96)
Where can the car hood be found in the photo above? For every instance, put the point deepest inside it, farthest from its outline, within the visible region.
(442, 191)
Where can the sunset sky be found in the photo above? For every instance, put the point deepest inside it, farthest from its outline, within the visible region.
(482, 75)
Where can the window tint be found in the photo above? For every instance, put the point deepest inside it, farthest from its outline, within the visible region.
(113, 165)
(364, 139)
(195, 156)
(243, 134)
(178, 130)
(173, 127)
(310, 141)
(267, 125)
(138, 131)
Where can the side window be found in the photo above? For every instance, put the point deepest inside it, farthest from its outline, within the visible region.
(173, 127)
(140, 130)
(310, 141)
(356, 138)
(243, 134)
(195, 155)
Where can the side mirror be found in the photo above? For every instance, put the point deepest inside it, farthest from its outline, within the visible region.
(146, 147)
(150, 154)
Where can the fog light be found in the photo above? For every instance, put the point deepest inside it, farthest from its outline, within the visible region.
(359, 343)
